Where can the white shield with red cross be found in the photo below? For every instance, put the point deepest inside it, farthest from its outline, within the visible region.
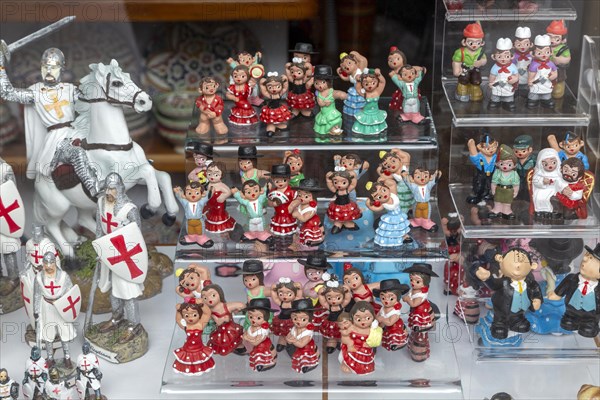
(27, 295)
(69, 304)
(12, 212)
(124, 252)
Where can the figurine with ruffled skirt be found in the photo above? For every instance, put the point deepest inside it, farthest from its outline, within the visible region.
(393, 226)
(370, 120)
(351, 66)
(194, 358)
(242, 112)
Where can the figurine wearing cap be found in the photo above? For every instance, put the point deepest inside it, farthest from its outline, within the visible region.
(504, 76)
(203, 156)
(281, 196)
(483, 156)
(247, 157)
(522, 58)
(522, 147)
(582, 296)
(306, 356)
(311, 232)
(466, 62)
(561, 55)
(542, 73)
(328, 120)
(263, 356)
(570, 146)
(390, 292)
(211, 106)
(505, 183)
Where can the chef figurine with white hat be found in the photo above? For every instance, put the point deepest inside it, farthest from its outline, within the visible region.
(522, 45)
(504, 76)
(542, 72)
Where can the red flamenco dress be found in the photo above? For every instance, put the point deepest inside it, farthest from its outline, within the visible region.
(242, 112)
(311, 232)
(342, 209)
(300, 98)
(275, 112)
(420, 317)
(262, 354)
(282, 223)
(193, 358)
(217, 218)
(282, 323)
(306, 358)
(361, 361)
(394, 335)
(329, 327)
(227, 337)
(365, 297)
(398, 99)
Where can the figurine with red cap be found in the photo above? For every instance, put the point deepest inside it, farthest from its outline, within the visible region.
(466, 62)
(522, 58)
(504, 76)
(561, 55)
(542, 72)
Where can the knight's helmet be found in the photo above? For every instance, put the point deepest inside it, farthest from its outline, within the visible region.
(85, 349)
(49, 258)
(37, 232)
(114, 181)
(53, 57)
(54, 375)
(36, 354)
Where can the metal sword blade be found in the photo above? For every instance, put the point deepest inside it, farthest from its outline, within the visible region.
(40, 33)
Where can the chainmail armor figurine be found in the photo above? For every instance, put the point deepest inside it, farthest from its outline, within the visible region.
(88, 374)
(36, 374)
(8, 245)
(9, 389)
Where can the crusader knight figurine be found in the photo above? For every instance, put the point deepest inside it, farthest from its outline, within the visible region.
(193, 201)
(522, 58)
(542, 73)
(561, 55)
(570, 146)
(483, 156)
(89, 376)
(211, 106)
(466, 62)
(36, 374)
(504, 76)
(12, 219)
(56, 387)
(9, 389)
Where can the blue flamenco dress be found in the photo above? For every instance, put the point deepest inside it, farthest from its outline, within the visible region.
(370, 120)
(392, 226)
(354, 102)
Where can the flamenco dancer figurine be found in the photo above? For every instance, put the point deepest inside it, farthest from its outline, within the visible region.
(242, 112)
(390, 292)
(570, 146)
(545, 184)
(300, 98)
(393, 164)
(542, 73)
(247, 160)
(306, 356)
(408, 79)
(561, 55)
(216, 217)
(351, 162)
(466, 62)
(312, 233)
(255, 69)
(263, 355)
(334, 298)
(281, 197)
(522, 58)
(393, 226)
(227, 338)
(283, 293)
(211, 106)
(194, 358)
(483, 156)
(304, 51)
(275, 114)
(342, 211)
(357, 355)
(192, 280)
(351, 66)
(354, 281)
(293, 158)
(370, 120)
(203, 156)
(505, 183)
(193, 201)
(252, 199)
(315, 267)
(504, 76)
(396, 60)
(421, 184)
(328, 120)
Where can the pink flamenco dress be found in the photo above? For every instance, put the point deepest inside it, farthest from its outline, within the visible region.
(242, 112)
(395, 336)
(216, 217)
(262, 354)
(361, 361)
(227, 337)
(194, 358)
(306, 358)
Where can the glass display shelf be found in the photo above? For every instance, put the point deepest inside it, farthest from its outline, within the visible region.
(521, 227)
(473, 10)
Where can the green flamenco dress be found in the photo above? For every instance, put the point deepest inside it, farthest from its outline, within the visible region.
(370, 120)
(328, 116)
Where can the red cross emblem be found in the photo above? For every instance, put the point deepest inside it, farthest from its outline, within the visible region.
(71, 305)
(109, 222)
(126, 256)
(85, 364)
(37, 256)
(5, 212)
(25, 298)
(56, 390)
(52, 287)
(34, 370)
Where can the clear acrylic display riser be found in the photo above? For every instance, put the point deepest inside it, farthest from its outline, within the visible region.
(396, 376)
(473, 10)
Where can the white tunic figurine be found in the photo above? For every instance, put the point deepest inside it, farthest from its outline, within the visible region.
(9, 389)
(56, 388)
(12, 218)
(88, 374)
(546, 182)
(36, 373)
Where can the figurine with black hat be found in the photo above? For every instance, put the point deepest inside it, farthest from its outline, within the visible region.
(306, 356)
(390, 292)
(582, 296)
(281, 196)
(315, 266)
(312, 233)
(253, 277)
(263, 356)
(304, 52)
(328, 120)
(558, 253)
(203, 155)
(247, 157)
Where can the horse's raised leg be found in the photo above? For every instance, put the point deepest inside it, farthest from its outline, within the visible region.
(166, 188)
(148, 175)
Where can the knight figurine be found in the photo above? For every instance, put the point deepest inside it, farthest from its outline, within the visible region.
(9, 389)
(88, 374)
(36, 373)
(56, 387)
(12, 218)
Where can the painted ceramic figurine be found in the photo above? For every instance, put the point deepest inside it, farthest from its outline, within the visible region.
(545, 184)
(571, 146)
(227, 338)
(504, 76)
(350, 69)
(283, 293)
(203, 156)
(522, 58)
(89, 376)
(393, 163)
(370, 120)
(315, 267)
(312, 233)
(56, 388)
(542, 73)
(211, 106)
(421, 184)
(217, 219)
(9, 389)
(281, 197)
(36, 374)
(342, 211)
(582, 296)
(357, 355)
(242, 112)
(561, 55)
(247, 159)
(483, 156)
(192, 280)
(393, 227)
(334, 298)
(466, 62)
(515, 292)
(354, 280)
(253, 279)
(193, 201)
(293, 158)
(328, 120)
(505, 183)
(408, 79)
(396, 60)
(304, 51)
(275, 114)
(353, 163)
(254, 67)
(588, 392)
(193, 358)
(252, 199)
(300, 97)
(522, 147)
(577, 187)
(454, 273)
(306, 356)
(263, 355)
(390, 292)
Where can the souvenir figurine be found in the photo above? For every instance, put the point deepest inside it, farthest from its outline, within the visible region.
(306, 356)
(254, 67)
(453, 271)
(393, 163)
(304, 51)
(483, 156)
(211, 106)
(504, 76)
(542, 73)
(283, 293)
(193, 201)
(554, 254)
(561, 55)
(370, 120)
(408, 79)
(56, 305)
(353, 163)
(242, 112)
(315, 266)
(194, 358)
(570, 146)
(294, 160)
(192, 280)
(253, 279)
(350, 69)
(227, 337)
(364, 334)
(582, 296)
(334, 298)
(203, 156)
(312, 233)
(354, 281)
(577, 188)
(466, 62)
(546, 178)
(300, 98)
(421, 184)
(263, 355)
(9, 389)
(342, 211)
(275, 114)
(522, 57)
(505, 183)
(393, 226)
(396, 60)
(247, 157)
(36, 374)
(451, 226)
(328, 120)
(56, 388)
(588, 392)
(515, 292)
(252, 199)
(216, 217)
(281, 197)
(525, 162)
(89, 376)
(394, 332)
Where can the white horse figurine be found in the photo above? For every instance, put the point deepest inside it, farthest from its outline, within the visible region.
(103, 132)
